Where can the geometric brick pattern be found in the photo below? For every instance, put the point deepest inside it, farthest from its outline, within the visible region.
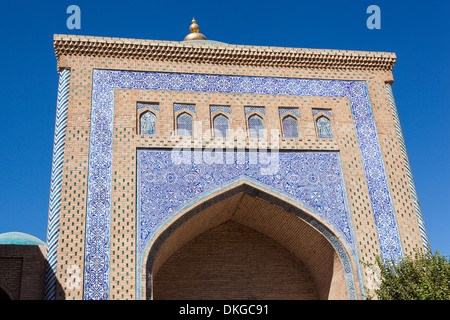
(409, 175)
(106, 81)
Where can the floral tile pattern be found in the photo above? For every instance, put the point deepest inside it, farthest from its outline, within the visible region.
(96, 275)
(166, 184)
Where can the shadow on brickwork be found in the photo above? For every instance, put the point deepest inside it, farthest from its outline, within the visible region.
(22, 272)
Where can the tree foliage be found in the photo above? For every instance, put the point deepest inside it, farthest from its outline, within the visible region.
(423, 277)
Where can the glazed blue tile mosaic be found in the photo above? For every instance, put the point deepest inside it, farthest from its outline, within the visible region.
(312, 179)
(294, 111)
(290, 127)
(226, 109)
(185, 125)
(249, 110)
(324, 127)
(98, 216)
(255, 126)
(324, 111)
(177, 107)
(148, 123)
(221, 126)
(152, 106)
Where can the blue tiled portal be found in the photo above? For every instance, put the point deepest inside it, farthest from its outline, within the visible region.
(96, 281)
(169, 180)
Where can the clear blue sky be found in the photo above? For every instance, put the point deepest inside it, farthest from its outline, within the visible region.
(417, 31)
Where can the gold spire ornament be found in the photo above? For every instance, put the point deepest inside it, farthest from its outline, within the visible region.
(194, 35)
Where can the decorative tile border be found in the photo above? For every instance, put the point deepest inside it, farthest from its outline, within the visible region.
(96, 281)
(143, 105)
(55, 186)
(226, 109)
(249, 110)
(177, 107)
(293, 111)
(324, 111)
(313, 179)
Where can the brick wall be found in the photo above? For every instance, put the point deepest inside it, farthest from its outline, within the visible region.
(258, 234)
(233, 262)
(22, 271)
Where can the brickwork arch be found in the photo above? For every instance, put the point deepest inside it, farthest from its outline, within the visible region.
(232, 261)
(309, 240)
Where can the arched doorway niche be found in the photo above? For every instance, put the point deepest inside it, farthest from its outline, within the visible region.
(246, 206)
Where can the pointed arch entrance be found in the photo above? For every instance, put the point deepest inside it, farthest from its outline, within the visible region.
(247, 242)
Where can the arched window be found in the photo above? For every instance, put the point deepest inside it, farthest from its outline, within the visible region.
(148, 123)
(324, 127)
(256, 126)
(290, 128)
(184, 125)
(221, 126)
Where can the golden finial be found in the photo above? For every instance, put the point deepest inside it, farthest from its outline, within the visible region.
(194, 35)
(194, 28)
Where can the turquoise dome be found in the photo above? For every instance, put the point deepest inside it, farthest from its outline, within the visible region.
(20, 238)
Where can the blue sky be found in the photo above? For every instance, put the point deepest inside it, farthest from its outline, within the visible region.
(417, 31)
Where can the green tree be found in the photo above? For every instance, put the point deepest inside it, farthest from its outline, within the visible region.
(424, 277)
